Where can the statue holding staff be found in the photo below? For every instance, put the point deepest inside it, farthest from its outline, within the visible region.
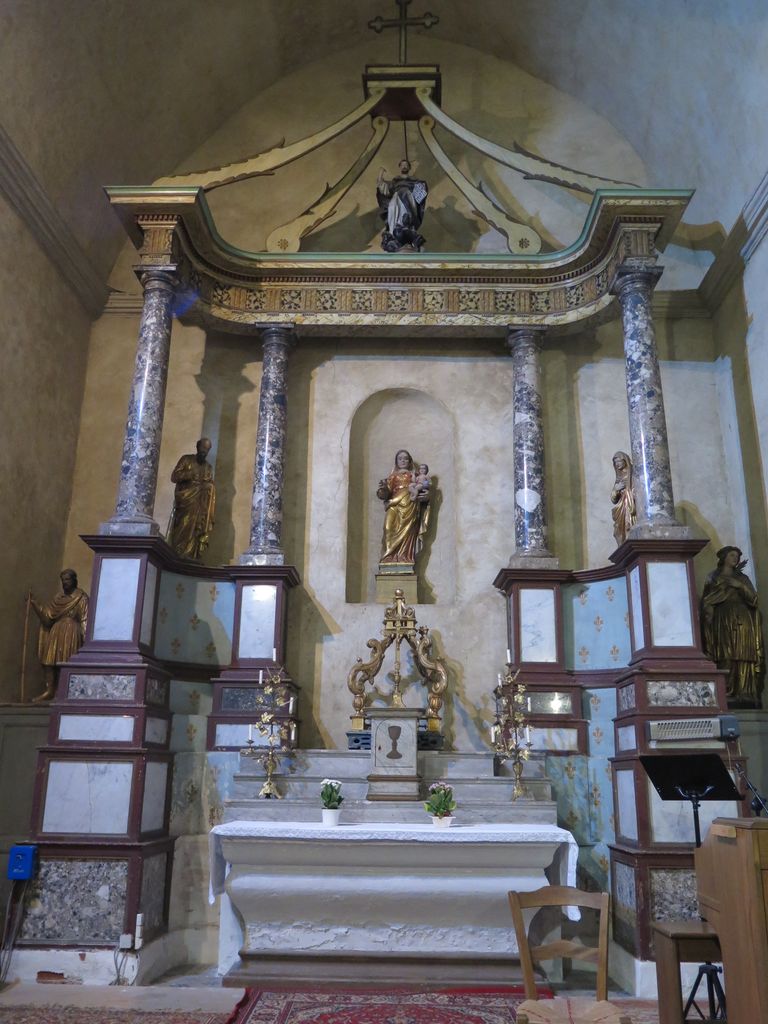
(62, 629)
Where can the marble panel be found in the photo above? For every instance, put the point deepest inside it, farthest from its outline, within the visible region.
(538, 633)
(672, 820)
(626, 698)
(156, 730)
(682, 693)
(77, 901)
(627, 805)
(101, 687)
(156, 691)
(88, 797)
(194, 620)
(670, 603)
(152, 900)
(236, 735)
(148, 608)
(637, 607)
(625, 737)
(153, 804)
(96, 728)
(596, 625)
(549, 702)
(625, 890)
(257, 621)
(554, 738)
(673, 894)
(116, 602)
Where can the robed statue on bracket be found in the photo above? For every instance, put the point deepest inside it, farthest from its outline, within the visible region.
(194, 503)
(401, 200)
(63, 622)
(406, 495)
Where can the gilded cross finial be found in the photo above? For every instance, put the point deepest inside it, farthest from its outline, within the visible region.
(402, 22)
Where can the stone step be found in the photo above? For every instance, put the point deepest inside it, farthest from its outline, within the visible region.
(494, 791)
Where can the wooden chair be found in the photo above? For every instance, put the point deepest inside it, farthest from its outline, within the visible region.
(565, 1010)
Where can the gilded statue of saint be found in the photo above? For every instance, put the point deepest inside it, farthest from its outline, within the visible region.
(62, 629)
(732, 628)
(401, 200)
(194, 503)
(622, 498)
(405, 494)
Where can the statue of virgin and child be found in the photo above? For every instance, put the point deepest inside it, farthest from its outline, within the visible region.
(405, 493)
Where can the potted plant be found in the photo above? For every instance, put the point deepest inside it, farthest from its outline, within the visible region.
(331, 799)
(440, 804)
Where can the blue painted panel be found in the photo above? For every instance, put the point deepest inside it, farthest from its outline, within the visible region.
(596, 625)
(194, 620)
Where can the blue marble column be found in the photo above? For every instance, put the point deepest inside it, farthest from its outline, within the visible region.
(528, 443)
(267, 501)
(135, 504)
(651, 474)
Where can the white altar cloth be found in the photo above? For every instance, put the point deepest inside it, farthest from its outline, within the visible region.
(374, 889)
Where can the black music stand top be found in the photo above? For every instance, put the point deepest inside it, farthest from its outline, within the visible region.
(693, 777)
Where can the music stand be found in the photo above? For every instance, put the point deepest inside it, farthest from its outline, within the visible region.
(692, 777)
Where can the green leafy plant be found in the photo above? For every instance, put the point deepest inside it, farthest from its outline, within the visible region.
(440, 802)
(330, 794)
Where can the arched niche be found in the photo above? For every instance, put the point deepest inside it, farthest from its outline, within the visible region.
(383, 423)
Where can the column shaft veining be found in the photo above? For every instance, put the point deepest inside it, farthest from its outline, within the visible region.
(528, 443)
(135, 504)
(652, 477)
(267, 500)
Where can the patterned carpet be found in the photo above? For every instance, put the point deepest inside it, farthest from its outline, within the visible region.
(452, 1007)
(81, 1015)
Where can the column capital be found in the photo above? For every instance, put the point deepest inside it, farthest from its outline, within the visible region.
(635, 278)
(528, 334)
(278, 334)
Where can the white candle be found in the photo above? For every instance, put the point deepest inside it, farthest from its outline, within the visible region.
(529, 705)
(527, 734)
(261, 676)
(274, 654)
(250, 734)
(499, 678)
(509, 656)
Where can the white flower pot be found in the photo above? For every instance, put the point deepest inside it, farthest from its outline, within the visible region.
(331, 816)
(442, 822)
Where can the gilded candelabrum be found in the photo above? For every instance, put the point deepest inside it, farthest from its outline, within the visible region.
(510, 733)
(400, 627)
(268, 697)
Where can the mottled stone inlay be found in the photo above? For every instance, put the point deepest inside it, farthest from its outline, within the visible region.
(682, 693)
(143, 429)
(153, 892)
(652, 476)
(101, 687)
(528, 444)
(625, 699)
(76, 901)
(156, 692)
(673, 894)
(267, 499)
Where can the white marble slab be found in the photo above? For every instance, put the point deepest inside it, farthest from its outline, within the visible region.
(554, 738)
(627, 809)
(156, 730)
(625, 737)
(670, 603)
(96, 728)
(116, 604)
(153, 805)
(257, 621)
(538, 633)
(636, 605)
(148, 609)
(88, 797)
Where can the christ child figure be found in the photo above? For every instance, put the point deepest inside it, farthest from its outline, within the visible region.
(421, 483)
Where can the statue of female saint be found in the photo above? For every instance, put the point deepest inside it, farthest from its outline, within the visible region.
(401, 205)
(62, 629)
(622, 498)
(732, 628)
(194, 503)
(405, 494)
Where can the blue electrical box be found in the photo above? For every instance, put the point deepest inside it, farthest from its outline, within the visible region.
(21, 862)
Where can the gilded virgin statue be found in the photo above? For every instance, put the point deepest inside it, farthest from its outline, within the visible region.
(405, 493)
(732, 628)
(622, 498)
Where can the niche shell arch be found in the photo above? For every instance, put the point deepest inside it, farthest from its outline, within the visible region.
(386, 421)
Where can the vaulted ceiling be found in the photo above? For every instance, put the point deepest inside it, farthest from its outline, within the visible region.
(121, 91)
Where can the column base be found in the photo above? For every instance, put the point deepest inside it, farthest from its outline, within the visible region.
(661, 531)
(534, 560)
(131, 526)
(274, 557)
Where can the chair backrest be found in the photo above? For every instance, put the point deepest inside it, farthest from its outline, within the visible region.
(561, 896)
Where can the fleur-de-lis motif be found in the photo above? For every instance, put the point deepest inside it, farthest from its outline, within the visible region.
(626, 618)
(194, 620)
(599, 623)
(213, 590)
(596, 795)
(571, 819)
(175, 645)
(583, 596)
(584, 654)
(569, 770)
(210, 650)
(603, 862)
(180, 588)
(191, 731)
(163, 614)
(194, 701)
(597, 734)
(610, 593)
(594, 700)
(615, 652)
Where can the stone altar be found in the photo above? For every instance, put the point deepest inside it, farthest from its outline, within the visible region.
(408, 899)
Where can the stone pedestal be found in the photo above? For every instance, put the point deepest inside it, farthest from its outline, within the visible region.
(394, 743)
(388, 582)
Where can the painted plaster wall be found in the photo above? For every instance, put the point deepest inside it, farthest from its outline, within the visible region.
(44, 344)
